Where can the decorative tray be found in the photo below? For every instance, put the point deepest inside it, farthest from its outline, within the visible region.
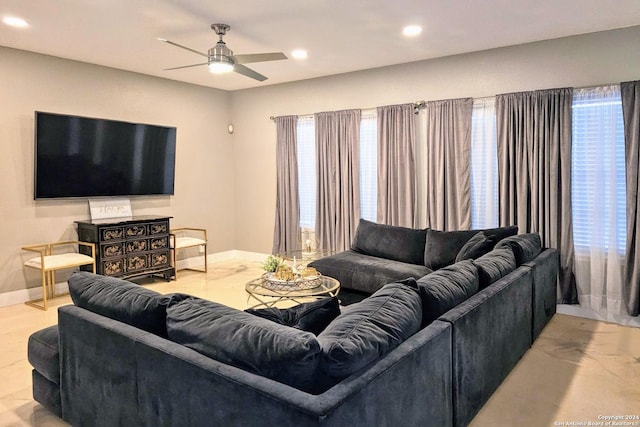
(270, 281)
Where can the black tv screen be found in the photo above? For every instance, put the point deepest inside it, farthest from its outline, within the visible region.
(85, 157)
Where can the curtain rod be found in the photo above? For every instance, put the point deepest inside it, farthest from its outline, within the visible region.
(416, 105)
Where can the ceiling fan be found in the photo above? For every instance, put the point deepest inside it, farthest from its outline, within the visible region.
(221, 59)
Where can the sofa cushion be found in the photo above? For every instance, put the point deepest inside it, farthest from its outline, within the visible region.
(478, 245)
(122, 300)
(389, 242)
(442, 247)
(495, 265)
(309, 316)
(368, 330)
(525, 247)
(365, 273)
(43, 352)
(444, 289)
(249, 342)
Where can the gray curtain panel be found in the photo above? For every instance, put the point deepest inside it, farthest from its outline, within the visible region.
(448, 164)
(338, 185)
(286, 235)
(396, 165)
(534, 167)
(630, 92)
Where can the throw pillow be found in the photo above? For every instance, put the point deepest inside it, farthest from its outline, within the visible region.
(252, 343)
(495, 265)
(121, 300)
(444, 289)
(525, 247)
(310, 316)
(368, 330)
(390, 242)
(476, 246)
(442, 247)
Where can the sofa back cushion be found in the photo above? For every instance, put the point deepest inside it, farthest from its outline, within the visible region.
(478, 245)
(121, 300)
(311, 316)
(249, 342)
(442, 247)
(445, 288)
(525, 247)
(390, 242)
(495, 265)
(368, 330)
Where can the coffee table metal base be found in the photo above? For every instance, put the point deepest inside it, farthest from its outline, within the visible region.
(265, 297)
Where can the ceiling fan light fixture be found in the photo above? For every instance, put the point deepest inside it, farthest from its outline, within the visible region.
(220, 67)
(299, 54)
(411, 30)
(15, 21)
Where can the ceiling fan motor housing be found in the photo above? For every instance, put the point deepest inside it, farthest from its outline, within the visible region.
(221, 53)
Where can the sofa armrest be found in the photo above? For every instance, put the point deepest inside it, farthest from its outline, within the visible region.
(491, 332)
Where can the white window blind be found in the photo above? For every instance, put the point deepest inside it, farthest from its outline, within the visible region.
(484, 164)
(369, 164)
(598, 170)
(305, 134)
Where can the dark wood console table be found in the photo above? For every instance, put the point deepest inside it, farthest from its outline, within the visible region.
(129, 247)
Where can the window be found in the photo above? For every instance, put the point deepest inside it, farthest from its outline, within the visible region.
(598, 170)
(306, 140)
(369, 165)
(484, 164)
(307, 168)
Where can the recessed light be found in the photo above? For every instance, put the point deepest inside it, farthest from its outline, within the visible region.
(299, 54)
(412, 30)
(14, 21)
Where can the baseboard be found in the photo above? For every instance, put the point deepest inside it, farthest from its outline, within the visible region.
(578, 311)
(23, 295)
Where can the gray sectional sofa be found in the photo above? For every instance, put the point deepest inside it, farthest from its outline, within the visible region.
(419, 352)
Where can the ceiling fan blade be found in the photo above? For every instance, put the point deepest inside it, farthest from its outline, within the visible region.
(183, 47)
(185, 66)
(258, 57)
(238, 68)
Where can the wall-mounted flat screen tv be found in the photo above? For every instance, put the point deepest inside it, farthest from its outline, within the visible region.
(86, 157)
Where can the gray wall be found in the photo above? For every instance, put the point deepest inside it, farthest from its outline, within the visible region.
(593, 59)
(204, 168)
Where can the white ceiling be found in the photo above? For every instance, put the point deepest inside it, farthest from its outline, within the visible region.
(340, 36)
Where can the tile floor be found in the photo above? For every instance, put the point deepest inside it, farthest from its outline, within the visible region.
(578, 371)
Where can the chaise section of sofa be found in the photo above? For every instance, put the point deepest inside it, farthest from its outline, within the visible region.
(366, 273)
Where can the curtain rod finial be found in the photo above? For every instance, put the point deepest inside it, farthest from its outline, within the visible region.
(272, 118)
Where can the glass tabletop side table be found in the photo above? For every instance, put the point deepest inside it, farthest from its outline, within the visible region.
(263, 296)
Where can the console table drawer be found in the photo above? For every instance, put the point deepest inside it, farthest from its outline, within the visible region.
(137, 230)
(138, 245)
(159, 228)
(156, 243)
(111, 250)
(137, 263)
(113, 267)
(111, 233)
(159, 259)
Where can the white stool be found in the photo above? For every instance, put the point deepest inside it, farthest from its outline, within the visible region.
(188, 237)
(48, 262)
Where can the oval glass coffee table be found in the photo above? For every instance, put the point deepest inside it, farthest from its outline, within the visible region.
(269, 297)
